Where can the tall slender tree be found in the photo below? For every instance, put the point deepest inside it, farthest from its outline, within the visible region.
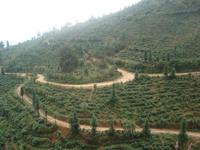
(7, 44)
(136, 75)
(35, 103)
(74, 125)
(145, 56)
(113, 98)
(111, 131)
(172, 74)
(146, 129)
(1, 44)
(150, 57)
(46, 115)
(183, 137)
(129, 127)
(22, 92)
(165, 71)
(2, 71)
(168, 57)
(93, 123)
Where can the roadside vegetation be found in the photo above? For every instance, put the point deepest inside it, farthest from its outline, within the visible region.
(20, 128)
(164, 101)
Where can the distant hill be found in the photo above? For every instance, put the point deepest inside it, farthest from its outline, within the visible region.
(143, 37)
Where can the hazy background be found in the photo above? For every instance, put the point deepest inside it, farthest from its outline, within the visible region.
(23, 19)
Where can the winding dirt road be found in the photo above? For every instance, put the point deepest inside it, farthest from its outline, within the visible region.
(64, 124)
(126, 77)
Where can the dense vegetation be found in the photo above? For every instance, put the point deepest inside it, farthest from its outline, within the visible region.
(20, 128)
(148, 37)
(143, 37)
(165, 102)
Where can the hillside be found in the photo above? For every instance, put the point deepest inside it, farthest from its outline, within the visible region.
(111, 83)
(167, 31)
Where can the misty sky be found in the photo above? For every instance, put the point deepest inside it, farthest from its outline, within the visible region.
(23, 19)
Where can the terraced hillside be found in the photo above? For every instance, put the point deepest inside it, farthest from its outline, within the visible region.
(164, 102)
(20, 128)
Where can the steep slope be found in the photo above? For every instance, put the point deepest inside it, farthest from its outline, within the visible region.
(166, 30)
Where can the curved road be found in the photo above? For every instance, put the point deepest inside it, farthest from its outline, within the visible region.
(126, 76)
(64, 124)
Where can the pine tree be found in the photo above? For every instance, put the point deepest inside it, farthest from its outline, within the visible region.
(172, 74)
(145, 56)
(1, 44)
(136, 75)
(75, 128)
(165, 71)
(146, 130)
(46, 115)
(183, 137)
(2, 71)
(35, 103)
(93, 125)
(22, 92)
(129, 127)
(113, 98)
(168, 57)
(7, 44)
(111, 131)
(150, 57)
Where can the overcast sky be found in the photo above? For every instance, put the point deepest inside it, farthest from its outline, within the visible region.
(23, 19)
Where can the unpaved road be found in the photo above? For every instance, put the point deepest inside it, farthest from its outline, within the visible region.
(126, 77)
(64, 124)
(61, 123)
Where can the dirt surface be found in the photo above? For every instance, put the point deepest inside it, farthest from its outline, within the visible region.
(126, 76)
(64, 124)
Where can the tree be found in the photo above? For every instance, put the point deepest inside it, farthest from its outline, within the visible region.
(168, 57)
(136, 75)
(129, 127)
(165, 71)
(113, 98)
(22, 92)
(1, 44)
(7, 44)
(74, 125)
(1, 59)
(68, 60)
(93, 125)
(146, 129)
(145, 56)
(150, 57)
(111, 131)
(172, 74)
(95, 88)
(183, 137)
(2, 71)
(35, 103)
(46, 115)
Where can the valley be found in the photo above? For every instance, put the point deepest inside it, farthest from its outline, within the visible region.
(129, 80)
